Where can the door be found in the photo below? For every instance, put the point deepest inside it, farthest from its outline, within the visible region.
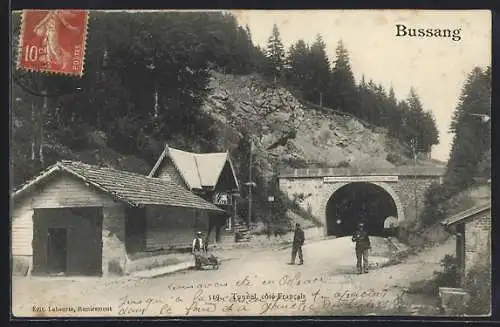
(67, 240)
(57, 245)
(85, 241)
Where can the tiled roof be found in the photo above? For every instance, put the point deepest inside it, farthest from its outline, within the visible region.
(197, 169)
(469, 213)
(396, 171)
(132, 188)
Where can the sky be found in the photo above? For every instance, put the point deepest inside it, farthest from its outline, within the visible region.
(435, 67)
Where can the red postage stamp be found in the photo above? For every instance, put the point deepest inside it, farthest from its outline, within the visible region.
(53, 41)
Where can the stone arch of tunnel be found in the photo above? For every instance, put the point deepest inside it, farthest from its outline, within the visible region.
(361, 202)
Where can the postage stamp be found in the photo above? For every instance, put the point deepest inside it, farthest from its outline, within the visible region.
(252, 163)
(53, 41)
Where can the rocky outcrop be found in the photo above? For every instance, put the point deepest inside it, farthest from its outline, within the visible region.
(289, 132)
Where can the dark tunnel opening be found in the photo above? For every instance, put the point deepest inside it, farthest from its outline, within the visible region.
(359, 202)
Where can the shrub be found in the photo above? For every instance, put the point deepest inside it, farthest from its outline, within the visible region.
(448, 276)
(484, 166)
(343, 164)
(294, 162)
(260, 228)
(478, 284)
(433, 209)
(73, 135)
(408, 233)
(394, 158)
(445, 278)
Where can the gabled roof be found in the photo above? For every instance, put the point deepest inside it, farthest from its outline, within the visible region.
(198, 170)
(134, 189)
(466, 214)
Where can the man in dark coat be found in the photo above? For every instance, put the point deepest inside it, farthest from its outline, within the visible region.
(362, 246)
(298, 241)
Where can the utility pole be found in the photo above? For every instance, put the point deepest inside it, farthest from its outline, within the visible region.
(235, 210)
(413, 148)
(250, 183)
(270, 193)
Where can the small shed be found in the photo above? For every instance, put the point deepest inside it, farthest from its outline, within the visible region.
(80, 219)
(472, 228)
(209, 175)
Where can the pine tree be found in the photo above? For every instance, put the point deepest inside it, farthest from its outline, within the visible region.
(430, 133)
(471, 141)
(275, 53)
(366, 101)
(249, 33)
(243, 60)
(381, 107)
(421, 125)
(260, 60)
(319, 67)
(393, 115)
(470, 155)
(343, 87)
(392, 97)
(299, 74)
(414, 114)
(405, 132)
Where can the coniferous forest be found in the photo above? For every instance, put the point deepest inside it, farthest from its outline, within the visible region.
(196, 81)
(470, 157)
(146, 77)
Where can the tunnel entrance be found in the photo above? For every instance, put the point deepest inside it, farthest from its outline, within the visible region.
(359, 202)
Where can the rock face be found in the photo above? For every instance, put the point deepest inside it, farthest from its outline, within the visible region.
(288, 132)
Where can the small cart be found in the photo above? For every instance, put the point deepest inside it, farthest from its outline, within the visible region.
(203, 259)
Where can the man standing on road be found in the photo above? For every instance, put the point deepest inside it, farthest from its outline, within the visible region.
(298, 241)
(362, 246)
(198, 247)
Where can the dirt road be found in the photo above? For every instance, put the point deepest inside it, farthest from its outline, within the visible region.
(255, 283)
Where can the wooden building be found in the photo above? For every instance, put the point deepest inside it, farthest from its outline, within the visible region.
(211, 176)
(472, 228)
(80, 219)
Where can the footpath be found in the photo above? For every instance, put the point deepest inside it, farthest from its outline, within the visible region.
(227, 252)
(224, 254)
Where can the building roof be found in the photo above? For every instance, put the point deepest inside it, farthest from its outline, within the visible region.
(466, 214)
(334, 172)
(132, 188)
(198, 170)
